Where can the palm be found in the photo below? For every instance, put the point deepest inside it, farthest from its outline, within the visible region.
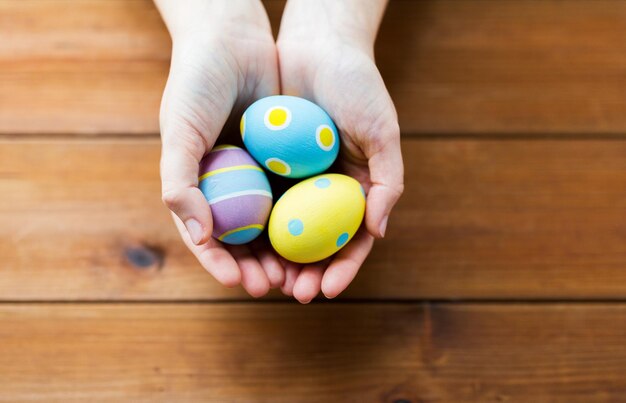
(205, 88)
(205, 93)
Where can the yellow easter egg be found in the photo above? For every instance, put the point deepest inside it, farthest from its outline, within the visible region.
(316, 217)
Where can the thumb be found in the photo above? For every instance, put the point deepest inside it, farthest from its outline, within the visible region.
(180, 192)
(386, 175)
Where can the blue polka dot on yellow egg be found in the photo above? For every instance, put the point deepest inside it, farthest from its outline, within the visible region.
(322, 183)
(295, 227)
(343, 238)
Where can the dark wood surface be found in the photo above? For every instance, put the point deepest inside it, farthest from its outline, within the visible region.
(501, 278)
(329, 352)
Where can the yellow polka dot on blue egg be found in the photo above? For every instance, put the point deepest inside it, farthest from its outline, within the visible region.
(316, 217)
(290, 136)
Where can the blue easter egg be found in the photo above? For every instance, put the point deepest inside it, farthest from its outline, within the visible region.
(290, 136)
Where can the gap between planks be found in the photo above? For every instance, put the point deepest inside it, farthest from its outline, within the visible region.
(106, 137)
(351, 301)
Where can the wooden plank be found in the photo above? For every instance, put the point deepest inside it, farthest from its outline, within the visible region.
(475, 66)
(82, 220)
(511, 66)
(285, 353)
(81, 66)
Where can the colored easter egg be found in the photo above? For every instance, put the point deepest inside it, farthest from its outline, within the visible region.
(290, 136)
(316, 217)
(238, 192)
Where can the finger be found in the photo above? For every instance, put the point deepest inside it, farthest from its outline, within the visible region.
(292, 270)
(180, 193)
(213, 257)
(346, 264)
(386, 173)
(253, 278)
(274, 270)
(309, 282)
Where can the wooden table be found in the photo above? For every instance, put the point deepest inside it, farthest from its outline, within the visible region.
(502, 278)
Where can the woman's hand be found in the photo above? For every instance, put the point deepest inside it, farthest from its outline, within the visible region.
(223, 58)
(326, 55)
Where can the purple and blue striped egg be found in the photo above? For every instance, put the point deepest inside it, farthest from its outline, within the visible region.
(237, 191)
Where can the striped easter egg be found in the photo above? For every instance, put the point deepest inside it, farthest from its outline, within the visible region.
(237, 191)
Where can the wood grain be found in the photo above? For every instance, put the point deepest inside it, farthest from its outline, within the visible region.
(82, 220)
(500, 67)
(452, 67)
(288, 353)
(96, 67)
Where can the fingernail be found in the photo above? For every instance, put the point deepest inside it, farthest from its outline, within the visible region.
(195, 230)
(383, 226)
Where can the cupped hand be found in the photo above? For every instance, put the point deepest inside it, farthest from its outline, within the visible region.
(219, 66)
(341, 76)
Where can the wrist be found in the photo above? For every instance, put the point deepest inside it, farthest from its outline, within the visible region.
(201, 20)
(331, 22)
